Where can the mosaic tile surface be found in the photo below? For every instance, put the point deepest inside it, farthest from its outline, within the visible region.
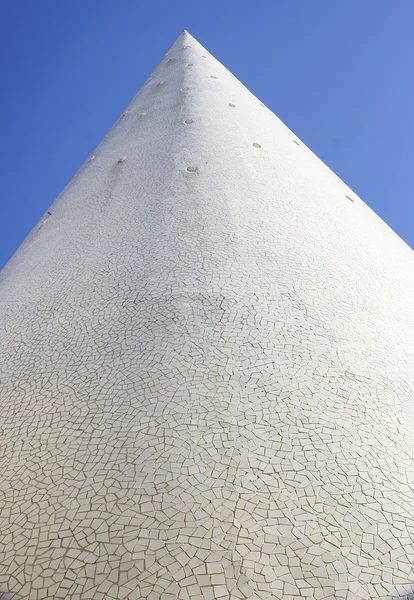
(206, 367)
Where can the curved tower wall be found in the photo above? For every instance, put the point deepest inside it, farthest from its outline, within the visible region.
(206, 373)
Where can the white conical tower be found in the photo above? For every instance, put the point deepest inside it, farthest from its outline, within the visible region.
(206, 367)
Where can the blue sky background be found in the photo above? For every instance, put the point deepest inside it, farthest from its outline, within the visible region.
(339, 73)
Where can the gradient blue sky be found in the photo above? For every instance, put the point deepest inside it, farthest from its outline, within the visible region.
(339, 73)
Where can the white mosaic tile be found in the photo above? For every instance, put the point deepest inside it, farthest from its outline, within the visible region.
(206, 367)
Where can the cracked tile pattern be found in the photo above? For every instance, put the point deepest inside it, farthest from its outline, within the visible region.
(206, 377)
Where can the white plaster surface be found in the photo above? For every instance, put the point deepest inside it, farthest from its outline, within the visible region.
(206, 377)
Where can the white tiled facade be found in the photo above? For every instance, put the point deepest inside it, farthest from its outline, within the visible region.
(206, 367)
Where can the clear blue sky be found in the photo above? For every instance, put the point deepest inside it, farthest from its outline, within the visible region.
(339, 73)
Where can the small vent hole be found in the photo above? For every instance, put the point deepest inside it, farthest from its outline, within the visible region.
(213, 77)
(232, 105)
(122, 159)
(143, 114)
(348, 198)
(185, 89)
(295, 142)
(192, 169)
(256, 145)
(188, 121)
